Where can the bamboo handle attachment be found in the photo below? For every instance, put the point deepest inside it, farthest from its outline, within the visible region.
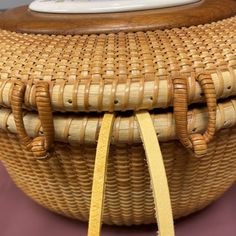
(197, 142)
(40, 146)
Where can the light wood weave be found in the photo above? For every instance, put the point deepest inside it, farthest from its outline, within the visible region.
(84, 128)
(122, 71)
(63, 183)
(50, 153)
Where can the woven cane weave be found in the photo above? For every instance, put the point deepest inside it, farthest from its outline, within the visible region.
(124, 71)
(55, 89)
(63, 184)
(84, 129)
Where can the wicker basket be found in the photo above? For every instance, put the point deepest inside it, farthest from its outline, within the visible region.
(55, 90)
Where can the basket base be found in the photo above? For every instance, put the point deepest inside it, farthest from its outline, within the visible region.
(63, 184)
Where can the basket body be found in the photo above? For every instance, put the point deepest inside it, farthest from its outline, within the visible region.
(56, 89)
(63, 183)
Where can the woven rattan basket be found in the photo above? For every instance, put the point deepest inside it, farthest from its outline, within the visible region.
(62, 95)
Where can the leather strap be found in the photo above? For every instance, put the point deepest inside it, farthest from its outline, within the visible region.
(99, 177)
(156, 166)
(157, 172)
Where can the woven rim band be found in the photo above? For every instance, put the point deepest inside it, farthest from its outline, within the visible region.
(125, 128)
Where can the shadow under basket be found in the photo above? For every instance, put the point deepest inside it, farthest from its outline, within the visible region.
(132, 126)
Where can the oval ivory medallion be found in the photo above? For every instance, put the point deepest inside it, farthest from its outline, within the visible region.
(102, 6)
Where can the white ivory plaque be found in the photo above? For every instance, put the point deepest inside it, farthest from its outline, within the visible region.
(102, 6)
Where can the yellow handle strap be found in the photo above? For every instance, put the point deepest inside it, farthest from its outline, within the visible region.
(156, 167)
(99, 177)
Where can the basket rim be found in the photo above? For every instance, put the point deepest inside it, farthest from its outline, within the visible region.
(84, 128)
(72, 97)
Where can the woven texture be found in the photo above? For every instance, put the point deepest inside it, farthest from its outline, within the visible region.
(84, 129)
(63, 183)
(119, 72)
(124, 71)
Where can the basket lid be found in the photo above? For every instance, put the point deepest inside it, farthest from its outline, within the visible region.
(23, 20)
(116, 71)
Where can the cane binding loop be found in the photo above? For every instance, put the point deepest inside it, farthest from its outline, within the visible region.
(197, 142)
(39, 146)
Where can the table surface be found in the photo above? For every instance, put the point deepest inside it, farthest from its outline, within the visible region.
(20, 216)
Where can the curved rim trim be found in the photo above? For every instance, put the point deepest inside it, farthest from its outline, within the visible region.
(125, 129)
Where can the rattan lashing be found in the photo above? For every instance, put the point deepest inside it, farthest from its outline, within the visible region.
(39, 146)
(119, 72)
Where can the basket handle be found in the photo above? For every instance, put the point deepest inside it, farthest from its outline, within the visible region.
(197, 142)
(158, 177)
(156, 168)
(99, 176)
(39, 146)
